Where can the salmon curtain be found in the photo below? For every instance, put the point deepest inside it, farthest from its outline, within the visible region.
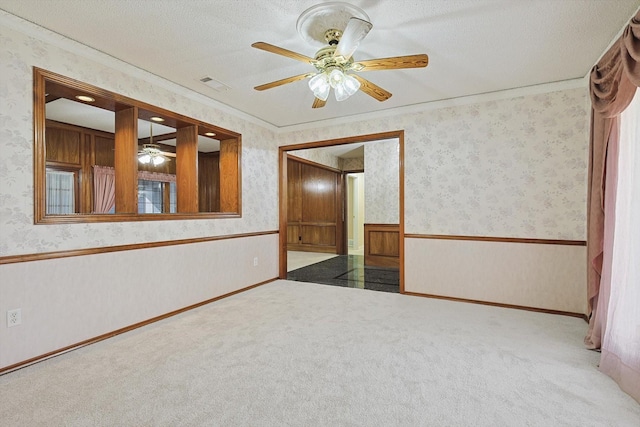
(612, 85)
(614, 225)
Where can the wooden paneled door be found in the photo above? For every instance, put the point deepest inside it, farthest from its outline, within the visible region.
(315, 220)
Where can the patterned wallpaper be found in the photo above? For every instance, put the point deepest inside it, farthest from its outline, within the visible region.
(508, 168)
(18, 234)
(381, 182)
(515, 167)
(318, 155)
(352, 164)
(322, 156)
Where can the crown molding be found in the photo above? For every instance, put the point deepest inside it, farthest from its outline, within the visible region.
(443, 103)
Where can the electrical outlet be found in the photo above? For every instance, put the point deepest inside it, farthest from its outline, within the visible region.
(14, 317)
(255, 262)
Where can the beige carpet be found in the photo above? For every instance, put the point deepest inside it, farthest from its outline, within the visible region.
(300, 354)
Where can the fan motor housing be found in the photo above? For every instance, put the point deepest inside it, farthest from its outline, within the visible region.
(325, 59)
(332, 36)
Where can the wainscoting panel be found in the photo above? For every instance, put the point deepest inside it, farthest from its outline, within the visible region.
(382, 245)
(546, 276)
(321, 235)
(66, 301)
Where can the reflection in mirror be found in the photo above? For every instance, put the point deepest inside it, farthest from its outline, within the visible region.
(113, 158)
(157, 159)
(157, 190)
(78, 136)
(208, 173)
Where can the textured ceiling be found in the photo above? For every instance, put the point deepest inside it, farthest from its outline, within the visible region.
(474, 46)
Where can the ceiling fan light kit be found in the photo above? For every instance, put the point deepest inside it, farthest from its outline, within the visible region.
(340, 27)
(151, 153)
(343, 84)
(319, 85)
(158, 160)
(144, 158)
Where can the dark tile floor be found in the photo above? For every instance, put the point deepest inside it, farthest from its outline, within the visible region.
(349, 271)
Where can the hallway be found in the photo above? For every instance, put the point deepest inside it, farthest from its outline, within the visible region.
(347, 271)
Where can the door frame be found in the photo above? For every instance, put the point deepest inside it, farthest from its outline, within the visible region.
(282, 189)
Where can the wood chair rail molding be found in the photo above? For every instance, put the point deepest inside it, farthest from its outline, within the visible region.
(498, 239)
(87, 149)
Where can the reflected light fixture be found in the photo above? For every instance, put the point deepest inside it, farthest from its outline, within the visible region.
(85, 98)
(157, 160)
(144, 158)
(151, 152)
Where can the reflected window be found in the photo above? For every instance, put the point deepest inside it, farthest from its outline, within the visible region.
(156, 197)
(149, 196)
(61, 192)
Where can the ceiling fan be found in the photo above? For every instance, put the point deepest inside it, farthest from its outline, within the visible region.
(340, 27)
(151, 153)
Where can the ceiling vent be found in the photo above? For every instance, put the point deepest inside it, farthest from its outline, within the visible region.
(214, 84)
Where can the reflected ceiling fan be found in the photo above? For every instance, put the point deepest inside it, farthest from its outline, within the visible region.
(340, 27)
(151, 153)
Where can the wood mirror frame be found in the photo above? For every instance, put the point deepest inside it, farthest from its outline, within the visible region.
(48, 86)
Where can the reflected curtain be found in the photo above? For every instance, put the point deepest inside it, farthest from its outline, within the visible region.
(104, 189)
(104, 186)
(156, 176)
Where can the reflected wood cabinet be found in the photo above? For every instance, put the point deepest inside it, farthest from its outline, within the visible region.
(74, 148)
(209, 182)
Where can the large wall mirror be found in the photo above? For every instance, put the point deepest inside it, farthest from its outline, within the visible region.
(100, 156)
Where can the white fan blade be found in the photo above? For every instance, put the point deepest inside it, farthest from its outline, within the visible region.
(357, 29)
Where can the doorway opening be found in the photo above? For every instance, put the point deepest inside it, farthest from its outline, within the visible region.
(355, 213)
(361, 247)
